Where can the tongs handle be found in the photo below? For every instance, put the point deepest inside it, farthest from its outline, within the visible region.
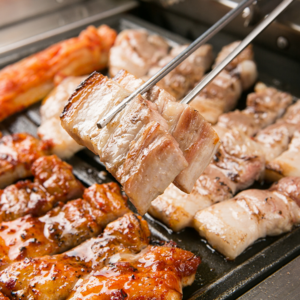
(177, 60)
(257, 30)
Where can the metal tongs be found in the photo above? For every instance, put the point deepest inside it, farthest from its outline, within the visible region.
(193, 47)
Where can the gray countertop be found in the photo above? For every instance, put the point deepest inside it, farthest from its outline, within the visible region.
(283, 284)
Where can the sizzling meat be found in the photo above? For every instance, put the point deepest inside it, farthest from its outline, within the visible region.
(286, 164)
(196, 138)
(51, 130)
(222, 93)
(136, 144)
(155, 273)
(237, 164)
(17, 154)
(63, 227)
(233, 225)
(53, 277)
(54, 182)
(263, 107)
(275, 138)
(31, 79)
(179, 81)
(136, 52)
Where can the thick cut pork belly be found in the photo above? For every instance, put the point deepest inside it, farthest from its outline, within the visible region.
(286, 164)
(222, 94)
(136, 52)
(264, 107)
(236, 165)
(233, 225)
(50, 129)
(31, 79)
(63, 227)
(180, 80)
(219, 96)
(196, 138)
(155, 273)
(17, 154)
(136, 146)
(275, 139)
(53, 277)
(54, 182)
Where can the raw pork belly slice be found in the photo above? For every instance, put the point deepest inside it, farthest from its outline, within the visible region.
(135, 146)
(233, 225)
(17, 154)
(236, 165)
(196, 138)
(136, 52)
(50, 129)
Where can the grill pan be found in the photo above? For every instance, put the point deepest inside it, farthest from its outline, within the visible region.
(216, 278)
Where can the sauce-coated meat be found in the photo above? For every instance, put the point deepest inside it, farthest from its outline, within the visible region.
(53, 277)
(54, 182)
(63, 227)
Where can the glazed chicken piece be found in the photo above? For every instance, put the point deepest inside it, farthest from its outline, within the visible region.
(222, 93)
(136, 52)
(53, 277)
(286, 164)
(63, 227)
(2, 297)
(31, 79)
(180, 80)
(17, 154)
(196, 138)
(263, 108)
(236, 165)
(54, 182)
(155, 273)
(276, 138)
(51, 130)
(233, 225)
(136, 143)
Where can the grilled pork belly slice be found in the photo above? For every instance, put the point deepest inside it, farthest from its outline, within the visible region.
(180, 80)
(54, 182)
(155, 273)
(50, 129)
(138, 130)
(263, 108)
(222, 93)
(196, 138)
(233, 225)
(236, 165)
(218, 97)
(275, 138)
(17, 154)
(53, 277)
(286, 164)
(31, 79)
(63, 227)
(136, 52)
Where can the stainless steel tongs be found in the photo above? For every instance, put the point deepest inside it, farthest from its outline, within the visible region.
(193, 47)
